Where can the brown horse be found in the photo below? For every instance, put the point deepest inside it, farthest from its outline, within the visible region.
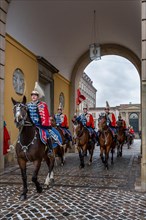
(130, 139)
(59, 151)
(121, 137)
(83, 142)
(30, 148)
(105, 140)
(66, 142)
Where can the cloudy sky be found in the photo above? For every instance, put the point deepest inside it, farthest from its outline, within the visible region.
(116, 80)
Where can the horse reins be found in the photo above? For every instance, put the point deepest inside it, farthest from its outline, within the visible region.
(24, 124)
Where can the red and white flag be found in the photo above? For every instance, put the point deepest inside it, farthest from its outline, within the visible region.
(80, 97)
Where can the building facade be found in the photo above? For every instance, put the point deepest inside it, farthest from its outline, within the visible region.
(88, 90)
(130, 113)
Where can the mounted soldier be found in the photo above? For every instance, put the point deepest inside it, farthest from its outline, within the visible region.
(87, 120)
(62, 123)
(120, 119)
(39, 114)
(111, 120)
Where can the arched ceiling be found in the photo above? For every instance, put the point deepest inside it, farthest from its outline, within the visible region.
(61, 30)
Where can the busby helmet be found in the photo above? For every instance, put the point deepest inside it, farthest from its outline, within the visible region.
(85, 106)
(120, 116)
(107, 106)
(38, 91)
(34, 92)
(60, 106)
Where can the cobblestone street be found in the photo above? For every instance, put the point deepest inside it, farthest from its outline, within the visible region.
(89, 193)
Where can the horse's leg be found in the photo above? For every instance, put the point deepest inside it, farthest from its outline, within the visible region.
(81, 156)
(101, 154)
(91, 152)
(107, 150)
(121, 152)
(22, 165)
(37, 164)
(112, 157)
(61, 154)
(50, 177)
(118, 149)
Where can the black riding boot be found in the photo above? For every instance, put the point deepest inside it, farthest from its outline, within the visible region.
(50, 146)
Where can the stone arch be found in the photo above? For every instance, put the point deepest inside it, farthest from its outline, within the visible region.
(84, 60)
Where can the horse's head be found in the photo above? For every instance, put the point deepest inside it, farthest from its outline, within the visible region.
(102, 122)
(53, 122)
(120, 124)
(77, 127)
(20, 112)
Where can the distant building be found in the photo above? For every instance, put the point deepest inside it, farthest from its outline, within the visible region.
(88, 90)
(130, 113)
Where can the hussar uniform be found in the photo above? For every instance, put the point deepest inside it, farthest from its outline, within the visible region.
(40, 116)
(111, 119)
(62, 122)
(88, 122)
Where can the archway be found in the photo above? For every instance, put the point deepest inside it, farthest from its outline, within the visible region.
(83, 61)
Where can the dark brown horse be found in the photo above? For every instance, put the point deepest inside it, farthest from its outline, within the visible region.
(130, 139)
(121, 137)
(105, 140)
(66, 142)
(83, 142)
(30, 148)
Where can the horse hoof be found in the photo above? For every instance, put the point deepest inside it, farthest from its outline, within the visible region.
(40, 189)
(51, 182)
(23, 197)
(82, 166)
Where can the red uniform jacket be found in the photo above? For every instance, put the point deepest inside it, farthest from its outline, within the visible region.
(90, 120)
(64, 122)
(131, 131)
(112, 119)
(44, 114)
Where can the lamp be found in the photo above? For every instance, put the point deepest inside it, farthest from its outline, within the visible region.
(94, 48)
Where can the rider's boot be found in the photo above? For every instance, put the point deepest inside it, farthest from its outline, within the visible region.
(50, 147)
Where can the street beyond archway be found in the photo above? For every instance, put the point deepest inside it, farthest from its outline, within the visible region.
(89, 193)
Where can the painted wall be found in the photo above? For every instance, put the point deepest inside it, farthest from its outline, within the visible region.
(17, 56)
(61, 85)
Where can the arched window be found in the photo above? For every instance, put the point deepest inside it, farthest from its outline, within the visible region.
(133, 121)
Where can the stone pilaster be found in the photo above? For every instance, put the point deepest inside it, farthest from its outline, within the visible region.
(143, 99)
(3, 13)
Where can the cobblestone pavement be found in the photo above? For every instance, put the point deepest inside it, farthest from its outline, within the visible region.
(89, 193)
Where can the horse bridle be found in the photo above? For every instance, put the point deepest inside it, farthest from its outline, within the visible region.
(23, 121)
(20, 124)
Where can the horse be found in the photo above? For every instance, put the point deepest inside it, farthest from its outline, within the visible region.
(130, 139)
(121, 137)
(66, 142)
(106, 141)
(30, 148)
(83, 142)
(59, 151)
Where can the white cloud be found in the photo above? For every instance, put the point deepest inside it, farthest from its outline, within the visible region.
(116, 80)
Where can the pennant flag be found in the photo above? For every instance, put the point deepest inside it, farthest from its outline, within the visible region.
(80, 97)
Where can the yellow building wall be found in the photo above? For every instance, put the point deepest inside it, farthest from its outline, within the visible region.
(17, 56)
(61, 85)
